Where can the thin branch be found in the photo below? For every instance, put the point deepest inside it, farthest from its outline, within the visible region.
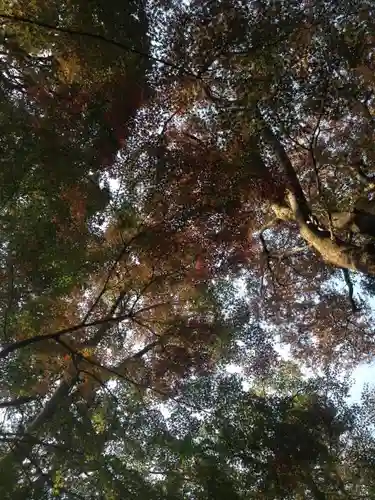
(100, 333)
(17, 402)
(110, 273)
(95, 36)
(144, 325)
(277, 255)
(46, 477)
(13, 437)
(115, 371)
(287, 134)
(39, 338)
(349, 284)
(267, 259)
(59, 397)
(147, 348)
(167, 122)
(103, 386)
(152, 280)
(154, 306)
(79, 356)
(312, 146)
(10, 300)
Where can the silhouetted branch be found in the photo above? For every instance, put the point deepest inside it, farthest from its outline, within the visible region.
(39, 338)
(17, 402)
(95, 36)
(349, 284)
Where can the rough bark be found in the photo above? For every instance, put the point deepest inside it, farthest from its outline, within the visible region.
(357, 221)
(333, 251)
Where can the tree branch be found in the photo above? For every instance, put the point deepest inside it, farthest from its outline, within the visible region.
(39, 338)
(17, 402)
(349, 284)
(21, 450)
(95, 36)
(335, 252)
(100, 333)
(279, 150)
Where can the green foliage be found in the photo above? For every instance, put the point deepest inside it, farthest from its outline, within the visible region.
(147, 148)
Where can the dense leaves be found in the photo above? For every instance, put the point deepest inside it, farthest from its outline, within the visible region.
(179, 192)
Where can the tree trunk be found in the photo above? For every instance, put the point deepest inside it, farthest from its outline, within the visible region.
(316, 492)
(334, 251)
(22, 449)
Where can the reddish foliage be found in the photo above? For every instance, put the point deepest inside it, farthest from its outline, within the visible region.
(122, 98)
(201, 267)
(76, 200)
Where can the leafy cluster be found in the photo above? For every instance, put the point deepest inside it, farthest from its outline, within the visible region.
(179, 192)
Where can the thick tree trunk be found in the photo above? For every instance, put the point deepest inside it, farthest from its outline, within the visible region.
(22, 449)
(333, 251)
(357, 221)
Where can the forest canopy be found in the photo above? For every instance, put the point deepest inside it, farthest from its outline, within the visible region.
(187, 249)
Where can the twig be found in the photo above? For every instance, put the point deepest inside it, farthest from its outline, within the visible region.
(110, 273)
(279, 256)
(115, 372)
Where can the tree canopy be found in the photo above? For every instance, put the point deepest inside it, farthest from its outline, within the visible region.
(186, 186)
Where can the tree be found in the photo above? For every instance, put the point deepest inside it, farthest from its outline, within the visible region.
(219, 440)
(269, 154)
(179, 192)
(297, 443)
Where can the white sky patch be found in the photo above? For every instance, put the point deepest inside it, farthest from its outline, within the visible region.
(362, 375)
(232, 368)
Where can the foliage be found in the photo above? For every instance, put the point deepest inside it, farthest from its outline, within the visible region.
(179, 191)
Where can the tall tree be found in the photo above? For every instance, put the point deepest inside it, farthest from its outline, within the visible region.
(93, 288)
(270, 155)
(180, 191)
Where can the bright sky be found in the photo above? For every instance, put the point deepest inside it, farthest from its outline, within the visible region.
(363, 374)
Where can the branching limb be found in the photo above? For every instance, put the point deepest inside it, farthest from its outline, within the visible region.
(118, 371)
(349, 284)
(312, 146)
(335, 252)
(267, 255)
(290, 173)
(94, 36)
(112, 269)
(17, 402)
(39, 338)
